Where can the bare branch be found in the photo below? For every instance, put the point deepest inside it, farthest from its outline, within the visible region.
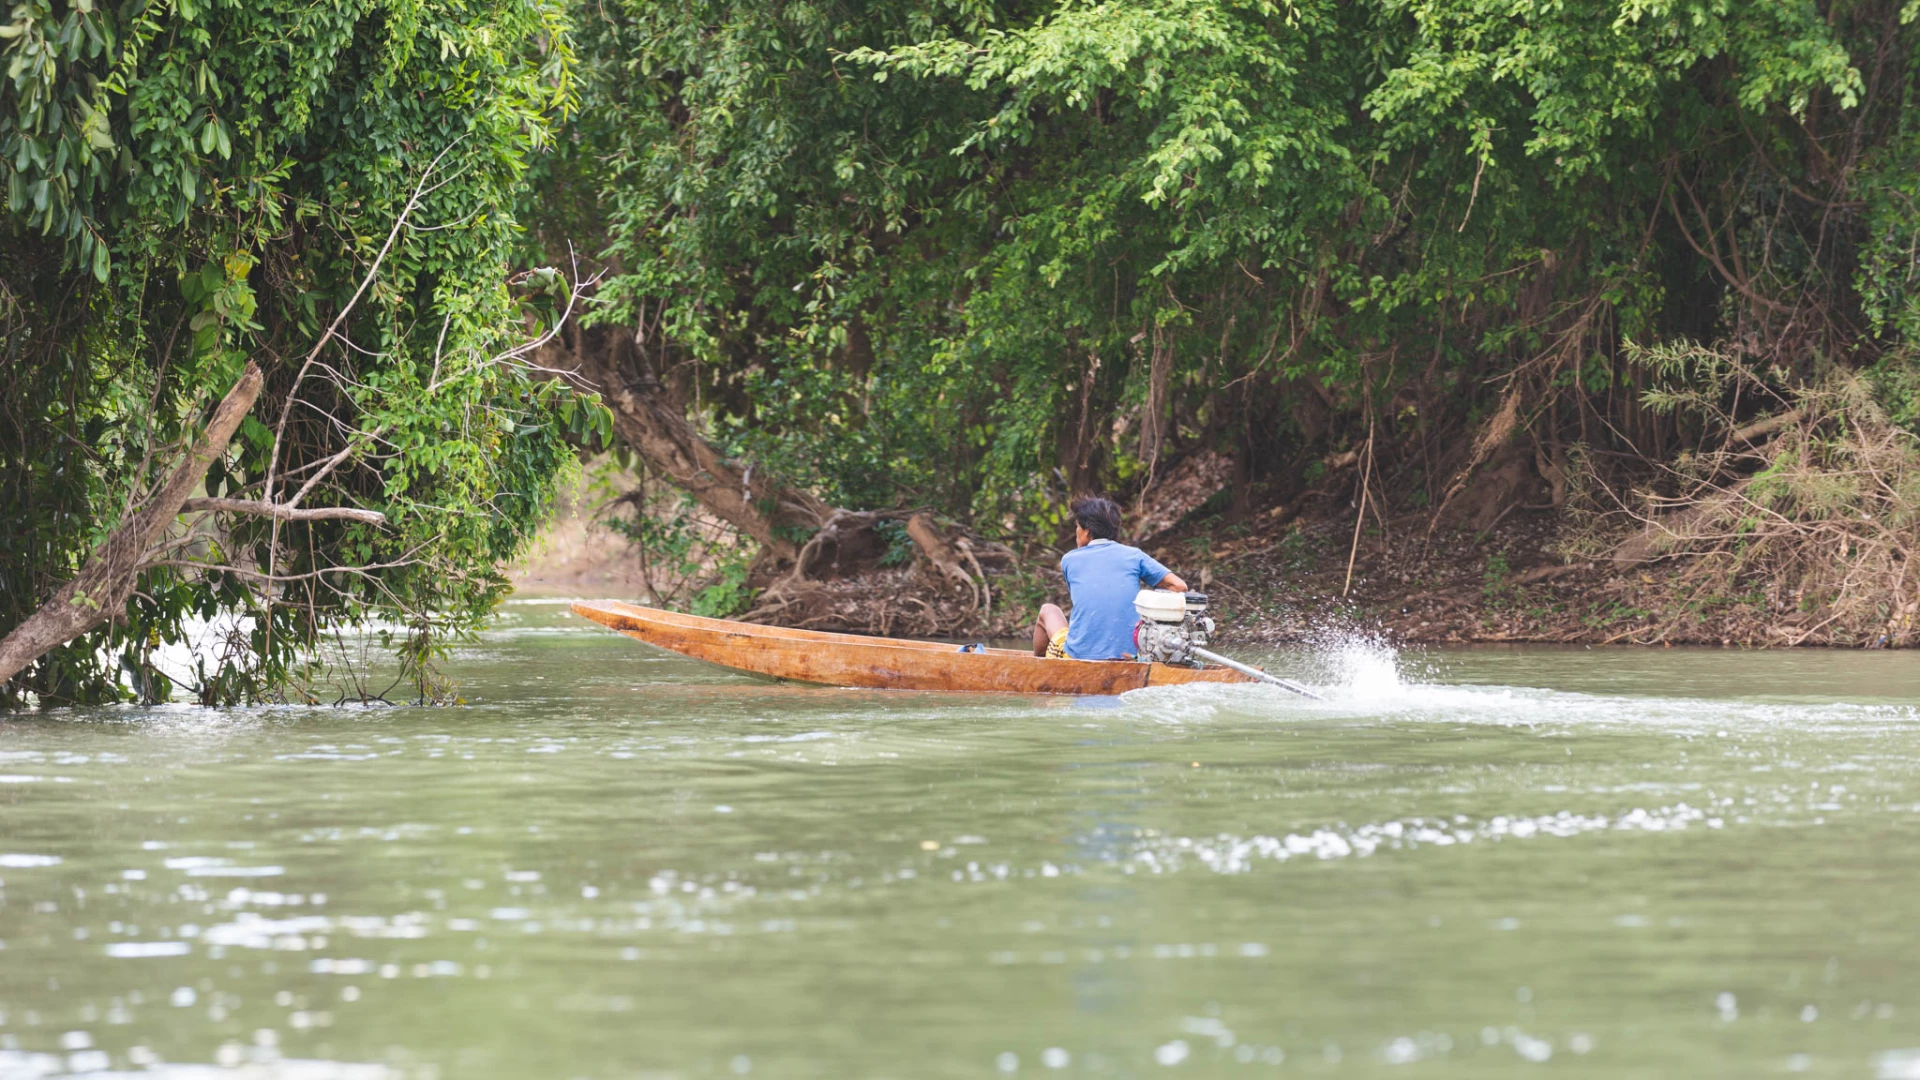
(328, 466)
(260, 508)
(255, 575)
(1766, 425)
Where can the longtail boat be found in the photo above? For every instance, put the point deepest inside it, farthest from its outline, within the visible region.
(815, 656)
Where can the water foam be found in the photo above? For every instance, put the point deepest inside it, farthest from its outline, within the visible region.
(1361, 676)
(1227, 853)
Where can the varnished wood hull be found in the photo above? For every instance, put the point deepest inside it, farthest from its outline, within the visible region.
(882, 663)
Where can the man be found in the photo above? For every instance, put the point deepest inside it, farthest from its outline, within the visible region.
(1103, 575)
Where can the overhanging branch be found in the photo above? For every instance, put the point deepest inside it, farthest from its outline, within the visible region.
(261, 508)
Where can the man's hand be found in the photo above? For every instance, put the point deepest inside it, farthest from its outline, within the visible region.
(1172, 583)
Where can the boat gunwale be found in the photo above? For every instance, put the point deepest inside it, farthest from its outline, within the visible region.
(635, 621)
(788, 633)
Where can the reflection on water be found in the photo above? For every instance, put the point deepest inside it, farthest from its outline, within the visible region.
(620, 863)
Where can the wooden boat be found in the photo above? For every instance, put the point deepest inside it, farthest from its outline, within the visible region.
(815, 656)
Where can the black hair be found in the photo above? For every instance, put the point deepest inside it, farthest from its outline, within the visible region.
(1099, 516)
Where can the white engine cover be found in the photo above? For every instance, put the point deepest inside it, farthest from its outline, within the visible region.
(1159, 605)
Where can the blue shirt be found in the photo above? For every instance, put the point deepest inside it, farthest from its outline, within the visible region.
(1103, 578)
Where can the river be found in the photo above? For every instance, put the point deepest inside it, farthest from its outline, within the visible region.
(614, 862)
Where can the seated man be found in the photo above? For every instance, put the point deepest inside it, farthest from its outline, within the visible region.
(1102, 576)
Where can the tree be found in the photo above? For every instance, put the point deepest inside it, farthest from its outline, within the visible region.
(318, 192)
(983, 255)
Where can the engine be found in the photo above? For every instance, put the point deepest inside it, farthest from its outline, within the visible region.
(1172, 625)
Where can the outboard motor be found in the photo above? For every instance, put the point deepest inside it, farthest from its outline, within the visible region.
(1172, 626)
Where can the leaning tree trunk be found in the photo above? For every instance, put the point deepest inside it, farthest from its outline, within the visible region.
(106, 581)
(840, 545)
(101, 589)
(656, 428)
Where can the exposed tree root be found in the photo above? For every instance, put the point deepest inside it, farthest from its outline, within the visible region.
(946, 593)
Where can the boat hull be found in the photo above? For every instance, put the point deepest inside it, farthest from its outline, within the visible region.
(829, 659)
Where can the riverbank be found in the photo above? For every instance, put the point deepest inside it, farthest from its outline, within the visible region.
(1275, 579)
(576, 553)
(1514, 583)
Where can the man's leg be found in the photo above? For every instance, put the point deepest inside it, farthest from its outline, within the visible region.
(1052, 621)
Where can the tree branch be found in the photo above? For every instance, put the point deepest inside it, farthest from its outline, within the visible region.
(260, 508)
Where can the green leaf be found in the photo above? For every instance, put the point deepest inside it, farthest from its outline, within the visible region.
(257, 434)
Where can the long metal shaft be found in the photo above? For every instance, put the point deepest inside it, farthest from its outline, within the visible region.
(1246, 669)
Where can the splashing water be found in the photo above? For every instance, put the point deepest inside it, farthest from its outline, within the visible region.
(1346, 666)
(1359, 666)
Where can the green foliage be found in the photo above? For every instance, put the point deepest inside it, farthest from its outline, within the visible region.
(900, 546)
(900, 249)
(689, 561)
(1896, 383)
(1496, 584)
(671, 546)
(727, 593)
(194, 185)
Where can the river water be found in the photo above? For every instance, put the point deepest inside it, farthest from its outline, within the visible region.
(614, 862)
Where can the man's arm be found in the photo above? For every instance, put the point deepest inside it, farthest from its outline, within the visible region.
(1149, 566)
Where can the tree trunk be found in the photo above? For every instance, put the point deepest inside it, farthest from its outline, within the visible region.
(817, 578)
(926, 535)
(104, 584)
(1087, 436)
(656, 428)
(1154, 421)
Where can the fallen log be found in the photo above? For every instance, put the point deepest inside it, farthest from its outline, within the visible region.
(1767, 425)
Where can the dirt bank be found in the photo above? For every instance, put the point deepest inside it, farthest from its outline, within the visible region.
(1511, 584)
(1277, 579)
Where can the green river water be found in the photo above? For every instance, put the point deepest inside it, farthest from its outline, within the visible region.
(615, 862)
